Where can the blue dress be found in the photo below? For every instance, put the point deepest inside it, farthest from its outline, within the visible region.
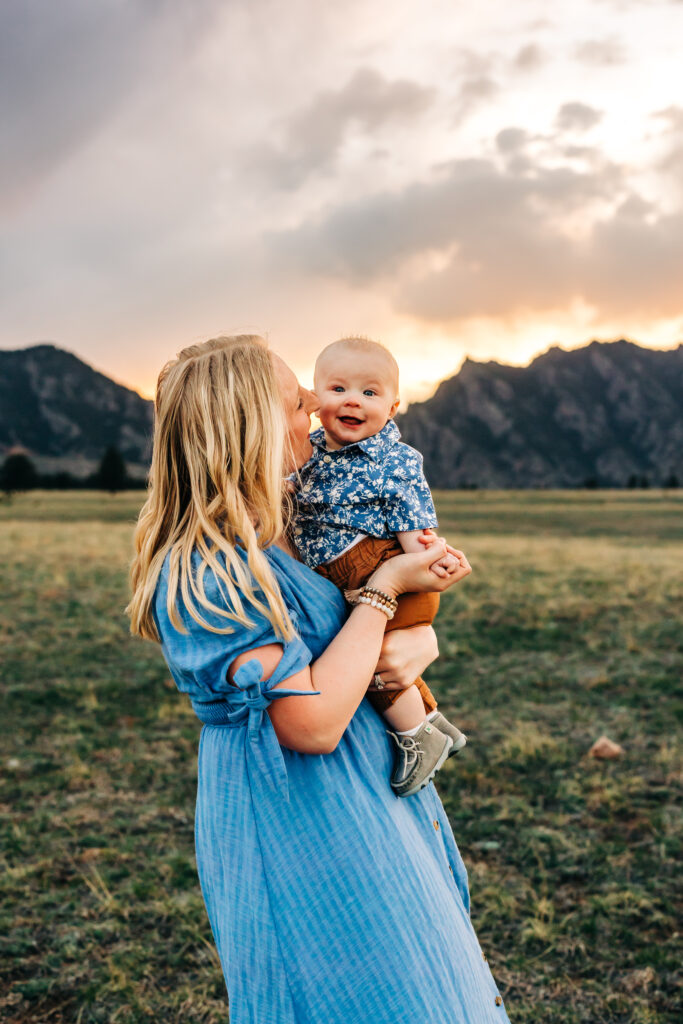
(331, 900)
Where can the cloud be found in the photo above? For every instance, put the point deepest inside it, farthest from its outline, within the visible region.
(671, 162)
(481, 240)
(671, 116)
(474, 92)
(529, 58)
(511, 140)
(466, 202)
(475, 71)
(601, 52)
(313, 138)
(577, 117)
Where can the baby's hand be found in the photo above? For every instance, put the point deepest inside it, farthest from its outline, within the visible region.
(446, 565)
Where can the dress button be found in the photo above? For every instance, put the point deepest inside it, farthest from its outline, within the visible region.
(436, 825)
(483, 956)
(450, 869)
(499, 1001)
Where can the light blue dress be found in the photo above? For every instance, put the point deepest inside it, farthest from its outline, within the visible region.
(331, 900)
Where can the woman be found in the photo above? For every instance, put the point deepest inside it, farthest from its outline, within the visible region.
(330, 899)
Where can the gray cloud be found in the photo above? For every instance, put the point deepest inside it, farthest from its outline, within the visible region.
(469, 201)
(529, 58)
(475, 72)
(474, 92)
(502, 244)
(511, 140)
(577, 117)
(671, 163)
(601, 52)
(313, 137)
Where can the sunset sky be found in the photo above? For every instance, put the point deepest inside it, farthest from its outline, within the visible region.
(451, 178)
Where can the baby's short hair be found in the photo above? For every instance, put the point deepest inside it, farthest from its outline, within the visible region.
(361, 344)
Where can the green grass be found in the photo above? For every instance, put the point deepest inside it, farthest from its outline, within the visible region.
(568, 628)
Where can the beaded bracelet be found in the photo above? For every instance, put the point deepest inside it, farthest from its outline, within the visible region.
(378, 599)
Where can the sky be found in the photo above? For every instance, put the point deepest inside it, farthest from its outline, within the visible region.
(449, 178)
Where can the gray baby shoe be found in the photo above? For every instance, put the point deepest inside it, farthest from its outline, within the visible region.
(418, 758)
(448, 729)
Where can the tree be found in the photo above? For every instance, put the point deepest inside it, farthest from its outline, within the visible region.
(112, 475)
(18, 473)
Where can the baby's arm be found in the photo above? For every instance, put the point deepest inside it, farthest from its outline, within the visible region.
(408, 539)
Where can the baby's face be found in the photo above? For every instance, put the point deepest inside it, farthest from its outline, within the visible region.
(357, 392)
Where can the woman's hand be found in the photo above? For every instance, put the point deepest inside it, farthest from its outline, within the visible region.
(413, 573)
(406, 653)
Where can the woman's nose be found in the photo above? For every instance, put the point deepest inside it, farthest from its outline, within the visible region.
(312, 402)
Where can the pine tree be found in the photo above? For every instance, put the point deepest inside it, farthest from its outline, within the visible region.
(18, 473)
(112, 475)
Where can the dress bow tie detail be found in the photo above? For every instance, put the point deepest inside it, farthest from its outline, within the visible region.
(248, 703)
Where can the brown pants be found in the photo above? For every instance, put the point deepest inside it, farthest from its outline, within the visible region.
(352, 570)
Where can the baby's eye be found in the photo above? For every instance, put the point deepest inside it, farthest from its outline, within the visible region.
(337, 387)
(369, 392)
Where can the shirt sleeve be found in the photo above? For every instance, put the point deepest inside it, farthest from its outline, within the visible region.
(199, 659)
(407, 499)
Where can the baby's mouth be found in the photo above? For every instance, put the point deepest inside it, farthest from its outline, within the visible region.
(350, 421)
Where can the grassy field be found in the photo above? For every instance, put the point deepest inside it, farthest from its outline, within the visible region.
(570, 627)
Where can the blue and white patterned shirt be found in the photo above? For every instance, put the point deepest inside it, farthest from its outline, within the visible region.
(375, 486)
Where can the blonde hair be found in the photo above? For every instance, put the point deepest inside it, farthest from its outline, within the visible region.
(359, 343)
(216, 480)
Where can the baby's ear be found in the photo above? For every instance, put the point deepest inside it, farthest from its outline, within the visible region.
(392, 411)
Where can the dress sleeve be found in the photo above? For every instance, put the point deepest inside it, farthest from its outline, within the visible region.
(199, 659)
(407, 499)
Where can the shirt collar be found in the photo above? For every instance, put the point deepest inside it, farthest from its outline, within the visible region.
(373, 446)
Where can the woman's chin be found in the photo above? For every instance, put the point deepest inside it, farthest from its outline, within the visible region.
(302, 456)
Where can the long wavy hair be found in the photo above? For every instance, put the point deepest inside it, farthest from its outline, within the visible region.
(216, 481)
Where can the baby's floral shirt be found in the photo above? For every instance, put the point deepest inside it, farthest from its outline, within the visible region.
(375, 486)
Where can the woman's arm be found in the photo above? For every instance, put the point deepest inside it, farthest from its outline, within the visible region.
(342, 672)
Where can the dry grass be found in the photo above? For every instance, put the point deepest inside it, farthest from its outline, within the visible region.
(568, 628)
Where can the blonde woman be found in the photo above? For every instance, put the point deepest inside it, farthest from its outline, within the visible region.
(330, 899)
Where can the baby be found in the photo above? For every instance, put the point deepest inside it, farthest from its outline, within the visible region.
(360, 499)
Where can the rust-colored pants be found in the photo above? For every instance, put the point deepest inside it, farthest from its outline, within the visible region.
(352, 570)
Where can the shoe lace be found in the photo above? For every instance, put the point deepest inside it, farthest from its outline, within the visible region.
(410, 749)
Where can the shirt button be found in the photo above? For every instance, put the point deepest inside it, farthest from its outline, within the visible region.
(436, 825)
(499, 1001)
(327, 458)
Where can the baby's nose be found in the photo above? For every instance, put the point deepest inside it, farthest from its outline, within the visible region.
(351, 399)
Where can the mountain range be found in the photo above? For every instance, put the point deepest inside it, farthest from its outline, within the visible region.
(65, 413)
(601, 414)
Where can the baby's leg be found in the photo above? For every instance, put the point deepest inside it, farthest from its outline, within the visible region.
(407, 711)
